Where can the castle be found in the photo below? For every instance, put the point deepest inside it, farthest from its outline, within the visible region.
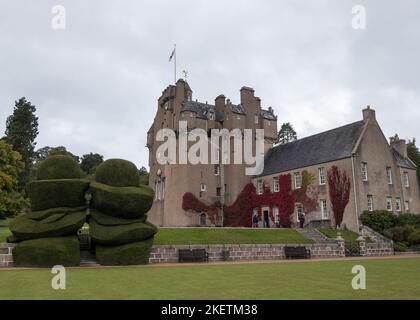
(381, 174)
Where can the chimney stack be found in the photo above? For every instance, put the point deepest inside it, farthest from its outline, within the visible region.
(368, 113)
(399, 145)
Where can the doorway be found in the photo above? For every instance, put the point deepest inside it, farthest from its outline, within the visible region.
(266, 221)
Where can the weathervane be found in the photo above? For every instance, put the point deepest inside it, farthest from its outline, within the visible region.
(185, 72)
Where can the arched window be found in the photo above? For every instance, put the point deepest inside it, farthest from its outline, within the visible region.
(203, 220)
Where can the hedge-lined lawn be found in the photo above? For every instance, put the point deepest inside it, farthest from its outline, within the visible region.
(386, 279)
(4, 233)
(227, 236)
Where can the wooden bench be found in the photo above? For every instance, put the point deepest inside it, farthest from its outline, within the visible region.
(193, 255)
(297, 252)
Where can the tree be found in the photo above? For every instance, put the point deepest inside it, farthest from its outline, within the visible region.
(21, 132)
(144, 176)
(60, 150)
(339, 189)
(42, 154)
(11, 164)
(286, 134)
(90, 161)
(414, 154)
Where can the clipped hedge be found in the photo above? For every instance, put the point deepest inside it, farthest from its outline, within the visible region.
(118, 173)
(122, 202)
(47, 252)
(58, 167)
(118, 235)
(135, 253)
(42, 214)
(379, 221)
(106, 220)
(46, 194)
(24, 228)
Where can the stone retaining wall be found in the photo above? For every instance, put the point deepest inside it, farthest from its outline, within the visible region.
(169, 253)
(6, 258)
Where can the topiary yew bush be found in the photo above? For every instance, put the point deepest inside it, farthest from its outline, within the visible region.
(47, 252)
(24, 228)
(127, 254)
(379, 221)
(122, 202)
(118, 173)
(58, 167)
(117, 235)
(46, 194)
(106, 220)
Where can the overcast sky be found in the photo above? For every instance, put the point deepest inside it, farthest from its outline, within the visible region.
(96, 83)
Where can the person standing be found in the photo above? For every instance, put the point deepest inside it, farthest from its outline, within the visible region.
(301, 219)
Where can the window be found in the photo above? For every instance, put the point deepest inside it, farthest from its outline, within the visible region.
(276, 215)
(203, 220)
(256, 119)
(364, 171)
(370, 203)
(398, 204)
(406, 180)
(322, 178)
(203, 187)
(389, 203)
(299, 210)
(407, 206)
(276, 185)
(260, 187)
(389, 175)
(156, 190)
(218, 191)
(324, 210)
(211, 115)
(216, 169)
(298, 180)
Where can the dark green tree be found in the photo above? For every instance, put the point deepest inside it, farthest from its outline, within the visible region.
(286, 134)
(11, 164)
(144, 176)
(21, 132)
(90, 161)
(414, 154)
(60, 150)
(42, 154)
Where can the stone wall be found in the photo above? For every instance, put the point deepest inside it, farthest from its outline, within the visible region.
(169, 253)
(6, 258)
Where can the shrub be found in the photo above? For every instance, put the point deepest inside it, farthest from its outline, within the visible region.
(24, 228)
(47, 252)
(122, 202)
(118, 173)
(46, 194)
(401, 247)
(117, 235)
(40, 215)
(414, 237)
(379, 220)
(127, 254)
(397, 234)
(58, 167)
(107, 220)
(411, 219)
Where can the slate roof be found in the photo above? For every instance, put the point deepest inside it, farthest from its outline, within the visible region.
(324, 147)
(403, 162)
(200, 108)
(269, 115)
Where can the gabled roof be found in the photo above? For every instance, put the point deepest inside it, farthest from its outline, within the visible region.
(200, 108)
(324, 147)
(268, 114)
(403, 162)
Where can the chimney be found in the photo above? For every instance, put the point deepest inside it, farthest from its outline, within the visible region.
(399, 145)
(220, 101)
(368, 113)
(247, 95)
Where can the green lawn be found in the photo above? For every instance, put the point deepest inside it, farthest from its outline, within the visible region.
(4, 232)
(227, 236)
(348, 236)
(385, 279)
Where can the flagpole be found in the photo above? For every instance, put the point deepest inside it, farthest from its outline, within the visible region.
(175, 64)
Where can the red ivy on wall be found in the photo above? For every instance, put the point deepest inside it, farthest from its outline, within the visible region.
(339, 188)
(190, 202)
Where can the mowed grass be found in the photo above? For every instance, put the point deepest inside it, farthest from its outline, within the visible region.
(348, 235)
(228, 236)
(4, 233)
(385, 279)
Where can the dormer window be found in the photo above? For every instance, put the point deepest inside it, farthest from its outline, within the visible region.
(211, 116)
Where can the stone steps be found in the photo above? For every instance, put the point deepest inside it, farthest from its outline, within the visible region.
(314, 235)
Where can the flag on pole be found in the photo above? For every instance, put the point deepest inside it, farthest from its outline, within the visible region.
(172, 55)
